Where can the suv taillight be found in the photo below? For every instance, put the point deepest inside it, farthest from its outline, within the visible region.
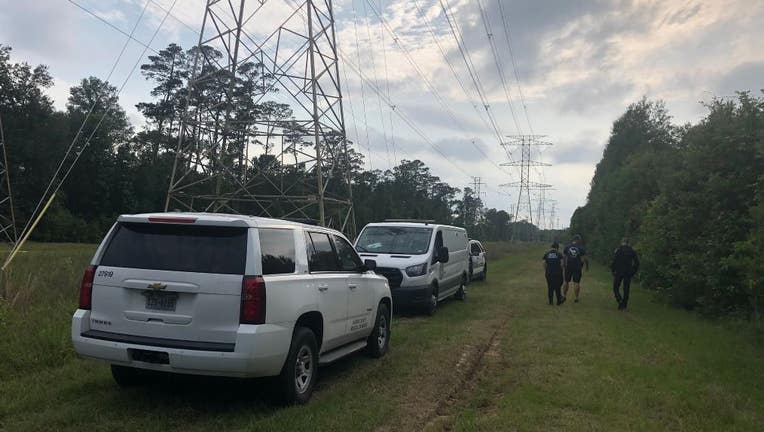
(252, 300)
(86, 288)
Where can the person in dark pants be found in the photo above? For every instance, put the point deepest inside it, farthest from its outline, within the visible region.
(625, 265)
(553, 273)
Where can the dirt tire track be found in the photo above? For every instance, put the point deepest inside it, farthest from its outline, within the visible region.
(427, 405)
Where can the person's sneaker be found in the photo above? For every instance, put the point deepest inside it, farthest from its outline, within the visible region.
(562, 301)
(620, 306)
(575, 301)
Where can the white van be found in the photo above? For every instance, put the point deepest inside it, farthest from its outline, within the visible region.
(228, 295)
(423, 262)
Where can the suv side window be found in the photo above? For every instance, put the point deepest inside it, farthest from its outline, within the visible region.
(321, 256)
(475, 248)
(277, 251)
(349, 260)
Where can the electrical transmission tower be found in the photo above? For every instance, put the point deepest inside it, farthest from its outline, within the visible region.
(476, 187)
(526, 144)
(263, 131)
(7, 216)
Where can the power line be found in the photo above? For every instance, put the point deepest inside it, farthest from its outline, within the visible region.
(508, 36)
(376, 80)
(497, 61)
(461, 85)
(34, 216)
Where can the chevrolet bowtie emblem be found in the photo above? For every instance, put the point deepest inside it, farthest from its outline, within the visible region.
(157, 286)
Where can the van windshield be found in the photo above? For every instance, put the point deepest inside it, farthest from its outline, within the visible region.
(185, 248)
(394, 240)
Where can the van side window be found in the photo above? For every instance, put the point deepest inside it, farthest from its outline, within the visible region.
(349, 260)
(277, 250)
(321, 257)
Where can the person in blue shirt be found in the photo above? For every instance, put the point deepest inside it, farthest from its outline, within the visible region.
(553, 273)
(574, 260)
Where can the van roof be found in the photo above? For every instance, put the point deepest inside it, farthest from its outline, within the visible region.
(214, 219)
(413, 225)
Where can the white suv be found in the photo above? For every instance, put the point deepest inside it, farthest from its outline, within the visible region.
(425, 263)
(228, 295)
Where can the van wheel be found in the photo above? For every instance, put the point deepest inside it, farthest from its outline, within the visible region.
(461, 293)
(379, 339)
(298, 376)
(128, 377)
(432, 306)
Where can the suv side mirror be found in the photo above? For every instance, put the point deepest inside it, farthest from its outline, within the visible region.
(369, 265)
(443, 254)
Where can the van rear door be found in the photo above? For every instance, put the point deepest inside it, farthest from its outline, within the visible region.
(171, 281)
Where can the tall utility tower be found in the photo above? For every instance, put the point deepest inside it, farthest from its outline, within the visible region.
(476, 187)
(263, 131)
(526, 145)
(7, 216)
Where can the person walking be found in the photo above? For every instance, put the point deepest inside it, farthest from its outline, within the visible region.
(553, 273)
(574, 259)
(625, 265)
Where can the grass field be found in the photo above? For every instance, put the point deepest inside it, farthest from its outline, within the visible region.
(503, 360)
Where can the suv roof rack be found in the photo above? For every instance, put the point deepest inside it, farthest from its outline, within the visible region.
(424, 221)
(306, 221)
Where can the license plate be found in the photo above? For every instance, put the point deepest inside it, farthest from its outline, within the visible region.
(162, 301)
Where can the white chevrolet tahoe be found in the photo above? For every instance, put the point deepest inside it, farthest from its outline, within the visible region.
(424, 263)
(228, 295)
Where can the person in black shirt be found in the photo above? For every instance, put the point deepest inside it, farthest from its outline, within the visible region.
(573, 263)
(553, 273)
(625, 265)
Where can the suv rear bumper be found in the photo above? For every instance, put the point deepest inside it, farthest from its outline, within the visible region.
(411, 296)
(259, 350)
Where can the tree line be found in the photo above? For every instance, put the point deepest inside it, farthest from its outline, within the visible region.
(124, 169)
(691, 198)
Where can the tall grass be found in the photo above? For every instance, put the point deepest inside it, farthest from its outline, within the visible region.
(40, 293)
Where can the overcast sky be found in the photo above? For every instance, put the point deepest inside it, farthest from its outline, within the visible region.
(579, 65)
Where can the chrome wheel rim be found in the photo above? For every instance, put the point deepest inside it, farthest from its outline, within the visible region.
(382, 332)
(303, 368)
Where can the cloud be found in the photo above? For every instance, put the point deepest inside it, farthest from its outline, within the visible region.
(43, 28)
(748, 76)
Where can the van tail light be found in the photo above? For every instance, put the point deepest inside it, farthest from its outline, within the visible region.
(86, 288)
(252, 300)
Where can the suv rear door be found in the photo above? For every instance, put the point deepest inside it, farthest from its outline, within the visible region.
(360, 295)
(178, 281)
(332, 288)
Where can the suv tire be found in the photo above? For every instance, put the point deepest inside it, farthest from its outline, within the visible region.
(461, 293)
(298, 376)
(485, 272)
(127, 376)
(379, 339)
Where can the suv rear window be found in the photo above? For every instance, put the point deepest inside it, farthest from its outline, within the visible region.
(277, 250)
(186, 248)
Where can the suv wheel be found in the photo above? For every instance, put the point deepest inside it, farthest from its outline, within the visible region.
(300, 371)
(432, 306)
(379, 339)
(485, 272)
(127, 376)
(461, 293)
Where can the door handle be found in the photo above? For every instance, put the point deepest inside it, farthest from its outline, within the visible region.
(323, 288)
(352, 286)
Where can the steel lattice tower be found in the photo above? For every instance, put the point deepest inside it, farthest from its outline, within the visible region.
(263, 131)
(526, 145)
(7, 216)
